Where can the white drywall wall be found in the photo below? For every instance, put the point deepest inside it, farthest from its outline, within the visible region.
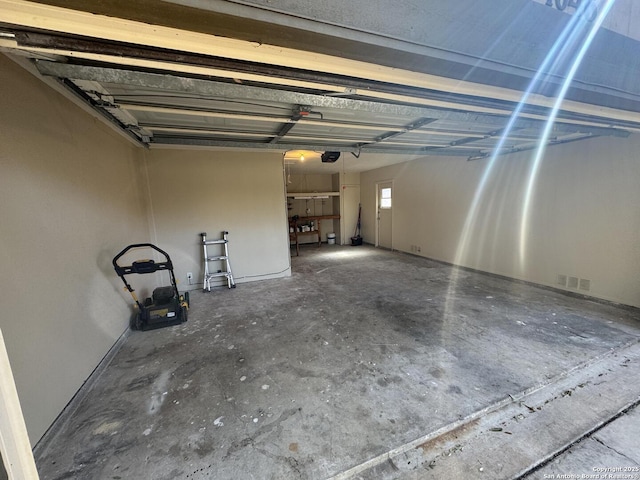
(584, 214)
(194, 191)
(70, 199)
(73, 193)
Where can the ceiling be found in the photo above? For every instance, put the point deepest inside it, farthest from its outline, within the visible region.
(169, 87)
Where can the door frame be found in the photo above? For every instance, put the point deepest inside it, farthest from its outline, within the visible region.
(377, 209)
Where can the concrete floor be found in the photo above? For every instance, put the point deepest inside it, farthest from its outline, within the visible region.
(612, 452)
(364, 364)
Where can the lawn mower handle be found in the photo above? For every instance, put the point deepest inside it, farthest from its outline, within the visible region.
(126, 270)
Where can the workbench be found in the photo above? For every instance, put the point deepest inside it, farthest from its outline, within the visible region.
(293, 236)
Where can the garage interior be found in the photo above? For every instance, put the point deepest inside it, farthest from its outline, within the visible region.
(489, 321)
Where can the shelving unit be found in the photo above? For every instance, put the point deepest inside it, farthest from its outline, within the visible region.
(308, 213)
(333, 197)
(312, 195)
(293, 224)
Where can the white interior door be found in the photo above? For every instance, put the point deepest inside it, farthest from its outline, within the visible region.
(385, 213)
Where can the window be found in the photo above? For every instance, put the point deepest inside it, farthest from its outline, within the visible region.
(385, 198)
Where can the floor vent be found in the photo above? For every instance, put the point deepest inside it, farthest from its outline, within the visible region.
(573, 282)
(585, 284)
(562, 280)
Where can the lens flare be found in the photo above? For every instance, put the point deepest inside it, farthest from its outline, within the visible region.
(544, 139)
(562, 61)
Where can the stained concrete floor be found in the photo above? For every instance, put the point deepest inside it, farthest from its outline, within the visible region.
(612, 452)
(364, 364)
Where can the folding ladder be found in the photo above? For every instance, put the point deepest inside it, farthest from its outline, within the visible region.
(208, 276)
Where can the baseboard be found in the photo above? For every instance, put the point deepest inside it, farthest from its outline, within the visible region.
(42, 445)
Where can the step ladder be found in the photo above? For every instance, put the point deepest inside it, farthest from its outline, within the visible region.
(208, 276)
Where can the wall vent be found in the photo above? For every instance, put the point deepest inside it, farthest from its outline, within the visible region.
(585, 284)
(562, 280)
(573, 282)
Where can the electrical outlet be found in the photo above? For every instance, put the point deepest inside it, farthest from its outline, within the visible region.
(189, 276)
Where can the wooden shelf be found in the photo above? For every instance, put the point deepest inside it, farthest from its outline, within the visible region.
(311, 195)
(293, 236)
(315, 217)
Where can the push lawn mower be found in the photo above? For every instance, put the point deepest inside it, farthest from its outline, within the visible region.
(166, 306)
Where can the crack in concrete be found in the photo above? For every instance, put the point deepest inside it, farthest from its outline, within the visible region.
(601, 442)
(577, 441)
